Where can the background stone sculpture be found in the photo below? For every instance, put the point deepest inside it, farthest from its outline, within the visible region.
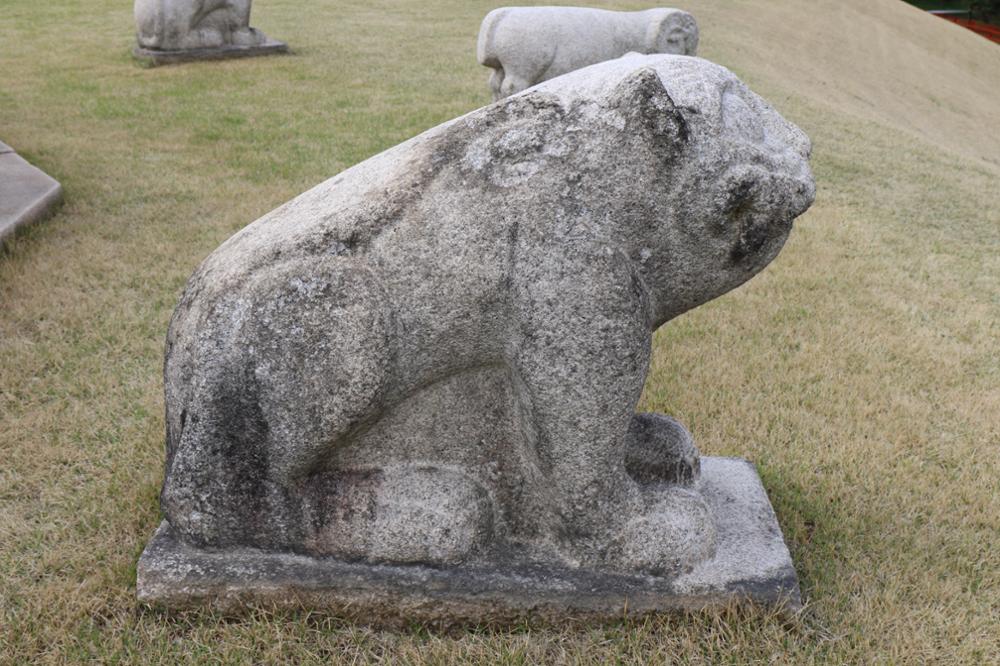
(528, 45)
(432, 360)
(177, 30)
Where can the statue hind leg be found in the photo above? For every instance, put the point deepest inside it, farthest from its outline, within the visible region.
(217, 491)
(321, 355)
(299, 372)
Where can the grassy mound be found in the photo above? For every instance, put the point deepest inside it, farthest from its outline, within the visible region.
(860, 371)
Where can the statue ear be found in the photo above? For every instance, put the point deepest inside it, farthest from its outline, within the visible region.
(647, 106)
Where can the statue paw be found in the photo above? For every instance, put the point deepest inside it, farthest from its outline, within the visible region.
(404, 514)
(204, 38)
(675, 535)
(248, 37)
(659, 449)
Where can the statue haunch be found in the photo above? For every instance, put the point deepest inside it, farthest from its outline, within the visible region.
(528, 45)
(169, 25)
(435, 356)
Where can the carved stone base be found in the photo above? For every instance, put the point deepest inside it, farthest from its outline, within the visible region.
(752, 563)
(155, 57)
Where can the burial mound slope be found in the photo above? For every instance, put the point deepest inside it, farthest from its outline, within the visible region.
(878, 60)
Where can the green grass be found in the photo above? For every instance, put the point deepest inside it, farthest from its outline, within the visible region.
(860, 371)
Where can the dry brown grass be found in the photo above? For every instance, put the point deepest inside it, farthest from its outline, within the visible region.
(861, 371)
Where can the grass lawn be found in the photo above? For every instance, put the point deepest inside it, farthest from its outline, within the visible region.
(861, 371)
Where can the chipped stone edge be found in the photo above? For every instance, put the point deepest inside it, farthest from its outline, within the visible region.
(155, 58)
(175, 576)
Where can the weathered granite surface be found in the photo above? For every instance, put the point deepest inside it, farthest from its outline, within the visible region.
(174, 31)
(27, 194)
(528, 45)
(433, 359)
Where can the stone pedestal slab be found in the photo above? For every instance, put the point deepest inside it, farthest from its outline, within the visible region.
(752, 563)
(27, 194)
(157, 57)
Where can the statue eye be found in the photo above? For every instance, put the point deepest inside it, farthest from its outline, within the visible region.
(744, 225)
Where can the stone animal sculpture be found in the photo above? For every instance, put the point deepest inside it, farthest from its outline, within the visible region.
(528, 45)
(169, 25)
(435, 356)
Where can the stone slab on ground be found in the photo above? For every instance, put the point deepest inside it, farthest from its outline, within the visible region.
(27, 194)
(155, 57)
(753, 563)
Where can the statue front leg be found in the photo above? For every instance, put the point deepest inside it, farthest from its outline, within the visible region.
(243, 34)
(579, 357)
(619, 482)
